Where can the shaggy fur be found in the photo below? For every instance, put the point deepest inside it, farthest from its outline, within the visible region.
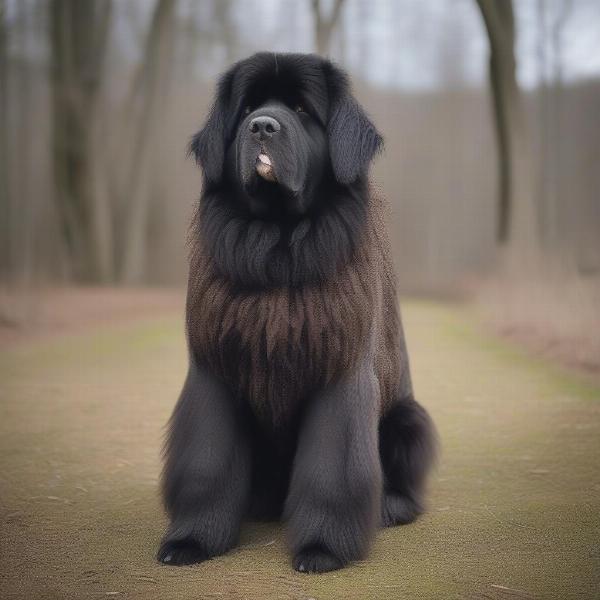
(298, 399)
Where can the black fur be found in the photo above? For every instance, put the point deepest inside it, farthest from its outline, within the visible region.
(407, 451)
(333, 503)
(261, 254)
(298, 401)
(207, 473)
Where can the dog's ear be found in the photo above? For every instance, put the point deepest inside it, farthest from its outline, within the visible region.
(209, 144)
(353, 139)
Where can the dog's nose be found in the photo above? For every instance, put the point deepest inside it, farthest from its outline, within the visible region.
(264, 127)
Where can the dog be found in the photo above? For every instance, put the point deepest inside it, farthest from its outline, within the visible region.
(298, 402)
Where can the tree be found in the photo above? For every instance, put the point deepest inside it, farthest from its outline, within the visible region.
(79, 32)
(516, 205)
(146, 105)
(550, 119)
(5, 254)
(324, 25)
(103, 199)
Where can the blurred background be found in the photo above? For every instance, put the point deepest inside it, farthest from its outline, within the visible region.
(489, 111)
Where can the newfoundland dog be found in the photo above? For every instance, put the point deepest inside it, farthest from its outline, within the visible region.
(298, 400)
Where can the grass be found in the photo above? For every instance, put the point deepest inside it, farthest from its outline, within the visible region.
(514, 504)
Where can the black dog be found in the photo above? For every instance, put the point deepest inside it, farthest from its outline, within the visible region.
(298, 399)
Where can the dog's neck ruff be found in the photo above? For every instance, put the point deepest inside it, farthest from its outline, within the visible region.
(254, 253)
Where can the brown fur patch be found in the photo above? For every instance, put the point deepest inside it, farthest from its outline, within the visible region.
(275, 347)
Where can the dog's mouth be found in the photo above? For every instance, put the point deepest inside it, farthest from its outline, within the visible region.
(264, 167)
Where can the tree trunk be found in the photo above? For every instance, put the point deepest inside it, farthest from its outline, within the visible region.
(5, 217)
(146, 106)
(517, 223)
(324, 25)
(79, 32)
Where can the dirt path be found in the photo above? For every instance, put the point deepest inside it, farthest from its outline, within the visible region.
(514, 505)
(31, 315)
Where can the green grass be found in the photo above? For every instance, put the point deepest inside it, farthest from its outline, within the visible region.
(514, 504)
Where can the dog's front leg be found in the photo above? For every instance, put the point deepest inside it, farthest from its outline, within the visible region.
(207, 472)
(335, 491)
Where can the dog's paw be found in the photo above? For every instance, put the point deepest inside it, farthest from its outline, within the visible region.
(398, 509)
(316, 559)
(184, 552)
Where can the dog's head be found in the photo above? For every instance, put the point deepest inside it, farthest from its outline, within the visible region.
(281, 125)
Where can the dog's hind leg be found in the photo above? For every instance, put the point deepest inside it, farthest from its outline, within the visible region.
(407, 443)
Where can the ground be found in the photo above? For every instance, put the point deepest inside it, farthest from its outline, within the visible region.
(514, 505)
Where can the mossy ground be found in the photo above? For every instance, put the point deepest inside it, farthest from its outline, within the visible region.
(514, 506)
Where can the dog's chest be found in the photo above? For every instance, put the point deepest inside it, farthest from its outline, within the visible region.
(275, 348)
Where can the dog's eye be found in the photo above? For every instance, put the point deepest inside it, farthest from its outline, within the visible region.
(299, 108)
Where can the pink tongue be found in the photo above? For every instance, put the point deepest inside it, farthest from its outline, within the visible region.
(264, 168)
(264, 159)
